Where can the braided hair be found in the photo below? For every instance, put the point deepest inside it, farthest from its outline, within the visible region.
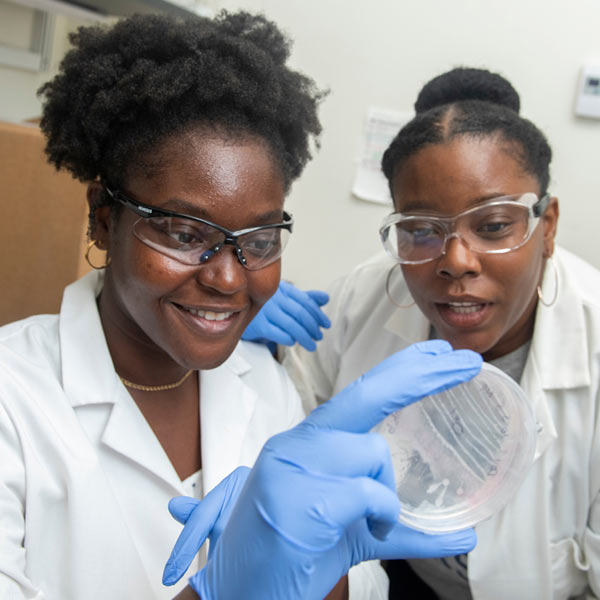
(472, 102)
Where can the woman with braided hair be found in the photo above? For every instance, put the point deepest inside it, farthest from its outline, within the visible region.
(471, 259)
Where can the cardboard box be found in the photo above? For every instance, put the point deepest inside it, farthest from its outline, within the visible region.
(43, 226)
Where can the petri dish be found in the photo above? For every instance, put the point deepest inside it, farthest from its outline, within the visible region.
(460, 455)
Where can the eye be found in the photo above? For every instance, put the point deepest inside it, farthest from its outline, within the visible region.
(497, 226)
(183, 237)
(419, 231)
(262, 242)
(178, 232)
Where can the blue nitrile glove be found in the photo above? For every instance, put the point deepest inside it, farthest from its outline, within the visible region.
(290, 316)
(321, 496)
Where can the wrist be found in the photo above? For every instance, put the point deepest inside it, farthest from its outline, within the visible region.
(188, 593)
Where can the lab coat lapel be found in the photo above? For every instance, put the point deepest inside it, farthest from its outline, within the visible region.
(560, 332)
(226, 407)
(88, 373)
(89, 378)
(128, 433)
(554, 361)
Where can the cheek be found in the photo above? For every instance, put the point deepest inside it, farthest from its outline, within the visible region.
(517, 279)
(419, 279)
(145, 275)
(263, 284)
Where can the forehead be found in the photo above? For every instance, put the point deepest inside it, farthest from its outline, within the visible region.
(212, 176)
(451, 177)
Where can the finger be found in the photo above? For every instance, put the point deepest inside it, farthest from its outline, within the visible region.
(200, 522)
(272, 333)
(336, 453)
(318, 296)
(404, 377)
(416, 351)
(304, 319)
(365, 498)
(181, 508)
(404, 542)
(294, 329)
(306, 300)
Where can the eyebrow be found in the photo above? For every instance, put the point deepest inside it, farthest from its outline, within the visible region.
(187, 208)
(471, 203)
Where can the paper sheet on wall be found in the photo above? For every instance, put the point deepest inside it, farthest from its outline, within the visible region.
(381, 127)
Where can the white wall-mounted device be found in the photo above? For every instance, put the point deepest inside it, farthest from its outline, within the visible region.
(588, 92)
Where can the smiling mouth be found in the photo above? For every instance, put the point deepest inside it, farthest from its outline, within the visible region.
(208, 314)
(208, 321)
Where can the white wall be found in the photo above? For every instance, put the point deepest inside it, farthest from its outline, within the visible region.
(18, 100)
(380, 52)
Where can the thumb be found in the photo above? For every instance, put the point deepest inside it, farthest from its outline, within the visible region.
(404, 542)
(182, 507)
(201, 519)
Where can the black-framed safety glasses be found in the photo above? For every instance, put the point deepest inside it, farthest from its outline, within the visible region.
(193, 241)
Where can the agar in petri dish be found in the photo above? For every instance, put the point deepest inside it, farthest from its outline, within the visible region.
(460, 455)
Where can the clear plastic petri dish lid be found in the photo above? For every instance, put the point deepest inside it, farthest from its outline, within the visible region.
(460, 455)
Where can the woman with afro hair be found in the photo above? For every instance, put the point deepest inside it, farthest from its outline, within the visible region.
(189, 134)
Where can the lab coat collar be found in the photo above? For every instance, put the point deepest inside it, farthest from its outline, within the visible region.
(559, 342)
(89, 376)
(560, 339)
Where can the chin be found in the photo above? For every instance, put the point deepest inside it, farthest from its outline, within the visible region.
(479, 343)
(205, 357)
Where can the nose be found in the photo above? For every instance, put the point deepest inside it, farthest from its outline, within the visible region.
(222, 271)
(457, 260)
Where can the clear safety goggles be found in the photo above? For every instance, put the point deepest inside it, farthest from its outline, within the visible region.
(193, 241)
(498, 226)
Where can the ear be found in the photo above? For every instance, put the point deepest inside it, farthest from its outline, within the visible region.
(549, 223)
(100, 215)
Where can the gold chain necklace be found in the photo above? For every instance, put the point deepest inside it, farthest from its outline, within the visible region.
(155, 388)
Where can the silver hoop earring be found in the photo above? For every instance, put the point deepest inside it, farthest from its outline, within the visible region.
(539, 287)
(387, 289)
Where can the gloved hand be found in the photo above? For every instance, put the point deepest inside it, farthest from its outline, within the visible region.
(321, 496)
(290, 316)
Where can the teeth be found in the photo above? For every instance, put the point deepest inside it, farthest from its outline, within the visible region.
(209, 315)
(464, 308)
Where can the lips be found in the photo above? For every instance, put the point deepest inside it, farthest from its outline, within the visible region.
(208, 314)
(208, 322)
(464, 313)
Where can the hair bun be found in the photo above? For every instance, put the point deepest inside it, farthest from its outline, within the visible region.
(467, 84)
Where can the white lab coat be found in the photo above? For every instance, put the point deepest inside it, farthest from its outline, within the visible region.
(84, 482)
(545, 544)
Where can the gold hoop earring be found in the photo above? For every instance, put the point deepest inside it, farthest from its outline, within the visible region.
(539, 287)
(387, 289)
(89, 262)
